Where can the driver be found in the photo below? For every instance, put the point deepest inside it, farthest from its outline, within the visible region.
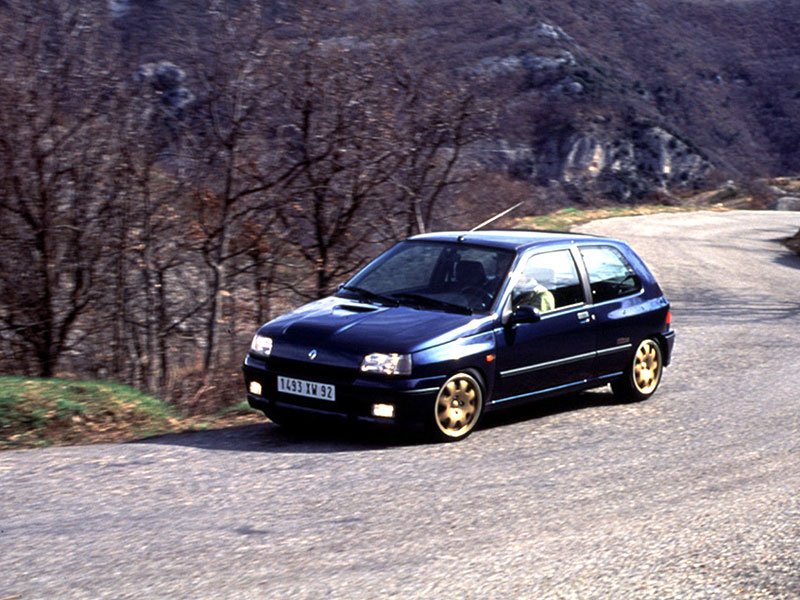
(530, 292)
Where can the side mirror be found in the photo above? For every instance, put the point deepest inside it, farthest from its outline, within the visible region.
(526, 314)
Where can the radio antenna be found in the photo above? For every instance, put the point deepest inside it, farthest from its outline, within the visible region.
(497, 216)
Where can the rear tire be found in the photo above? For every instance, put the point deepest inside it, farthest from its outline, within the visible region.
(643, 374)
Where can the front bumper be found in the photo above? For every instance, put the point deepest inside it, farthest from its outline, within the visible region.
(413, 399)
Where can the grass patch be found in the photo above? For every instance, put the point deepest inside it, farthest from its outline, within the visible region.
(567, 218)
(58, 412)
(43, 412)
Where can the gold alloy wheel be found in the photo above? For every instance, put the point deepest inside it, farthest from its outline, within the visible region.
(458, 405)
(647, 367)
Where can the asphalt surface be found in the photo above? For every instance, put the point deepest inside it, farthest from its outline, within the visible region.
(692, 494)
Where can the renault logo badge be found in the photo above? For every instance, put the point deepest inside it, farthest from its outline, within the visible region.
(312, 355)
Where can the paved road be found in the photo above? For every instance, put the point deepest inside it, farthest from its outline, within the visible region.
(693, 494)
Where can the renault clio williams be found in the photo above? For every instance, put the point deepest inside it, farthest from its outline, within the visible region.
(443, 328)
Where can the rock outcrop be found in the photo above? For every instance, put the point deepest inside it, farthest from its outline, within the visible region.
(587, 144)
(623, 163)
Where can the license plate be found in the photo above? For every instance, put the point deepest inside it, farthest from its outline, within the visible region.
(308, 389)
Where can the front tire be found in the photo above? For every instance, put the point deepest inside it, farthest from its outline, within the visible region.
(643, 375)
(458, 407)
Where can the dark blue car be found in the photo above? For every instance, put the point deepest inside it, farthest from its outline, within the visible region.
(444, 327)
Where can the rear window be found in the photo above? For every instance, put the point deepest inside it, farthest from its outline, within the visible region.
(610, 275)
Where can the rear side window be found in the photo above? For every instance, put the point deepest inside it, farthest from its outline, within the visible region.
(610, 275)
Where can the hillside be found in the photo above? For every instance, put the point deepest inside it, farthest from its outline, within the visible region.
(615, 99)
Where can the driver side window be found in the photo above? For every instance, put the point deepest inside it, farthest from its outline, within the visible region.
(548, 281)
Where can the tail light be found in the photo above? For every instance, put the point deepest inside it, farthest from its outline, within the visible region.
(668, 321)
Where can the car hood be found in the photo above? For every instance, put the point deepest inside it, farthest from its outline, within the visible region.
(352, 327)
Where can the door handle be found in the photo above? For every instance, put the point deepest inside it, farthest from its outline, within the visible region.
(584, 316)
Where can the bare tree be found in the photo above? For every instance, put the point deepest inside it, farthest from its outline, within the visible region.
(339, 116)
(437, 121)
(235, 165)
(54, 88)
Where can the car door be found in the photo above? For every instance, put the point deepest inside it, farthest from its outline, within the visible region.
(617, 305)
(555, 351)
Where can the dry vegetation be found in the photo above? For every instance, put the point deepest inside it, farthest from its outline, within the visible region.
(567, 218)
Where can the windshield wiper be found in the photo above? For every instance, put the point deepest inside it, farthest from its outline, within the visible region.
(370, 296)
(433, 303)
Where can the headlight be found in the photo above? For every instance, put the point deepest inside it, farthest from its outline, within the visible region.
(388, 364)
(261, 345)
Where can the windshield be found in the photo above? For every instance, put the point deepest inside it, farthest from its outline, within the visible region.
(447, 276)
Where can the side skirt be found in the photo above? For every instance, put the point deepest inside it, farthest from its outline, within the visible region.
(577, 386)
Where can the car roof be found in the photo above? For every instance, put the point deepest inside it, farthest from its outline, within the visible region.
(511, 239)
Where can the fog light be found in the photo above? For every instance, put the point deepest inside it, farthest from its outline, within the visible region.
(385, 411)
(255, 388)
